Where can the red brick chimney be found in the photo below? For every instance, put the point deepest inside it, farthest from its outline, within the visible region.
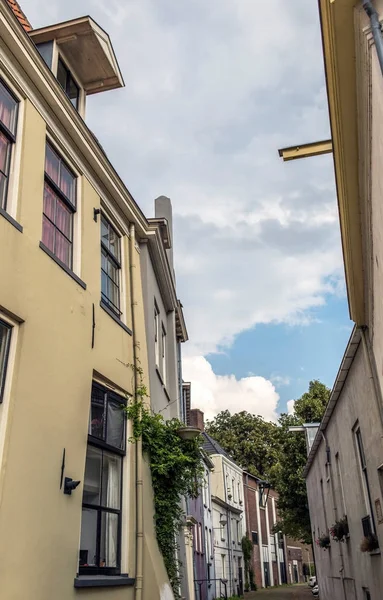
(196, 419)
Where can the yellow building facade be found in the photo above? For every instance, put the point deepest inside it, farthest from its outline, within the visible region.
(76, 509)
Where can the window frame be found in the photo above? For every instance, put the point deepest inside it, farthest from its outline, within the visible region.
(157, 334)
(69, 75)
(71, 206)
(117, 264)
(3, 372)
(362, 463)
(164, 362)
(102, 445)
(11, 137)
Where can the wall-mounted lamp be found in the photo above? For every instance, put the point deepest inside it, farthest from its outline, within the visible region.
(264, 491)
(96, 212)
(70, 485)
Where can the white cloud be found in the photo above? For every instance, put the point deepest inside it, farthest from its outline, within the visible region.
(280, 380)
(213, 393)
(290, 407)
(211, 94)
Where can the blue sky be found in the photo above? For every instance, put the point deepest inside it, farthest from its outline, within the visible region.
(213, 89)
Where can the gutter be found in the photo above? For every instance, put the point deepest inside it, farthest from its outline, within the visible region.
(376, 29)
(138, 445)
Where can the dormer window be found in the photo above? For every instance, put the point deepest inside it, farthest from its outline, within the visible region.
(66, 79)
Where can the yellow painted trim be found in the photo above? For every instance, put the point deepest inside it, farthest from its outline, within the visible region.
(338, 37)
(306, 150)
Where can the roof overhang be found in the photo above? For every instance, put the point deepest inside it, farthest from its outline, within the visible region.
(340, 381)
(88, 48)
(181, 331)
(163, 225)
(306, 150)
(339, 51)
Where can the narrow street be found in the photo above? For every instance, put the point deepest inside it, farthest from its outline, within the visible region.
(291, 592)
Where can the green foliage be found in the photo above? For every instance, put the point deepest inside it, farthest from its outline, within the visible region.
(176, 470)
(247, 549)
(269, 451)
(248, 438)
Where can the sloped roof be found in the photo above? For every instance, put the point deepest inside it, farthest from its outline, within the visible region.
(20, 16)
(212, 447)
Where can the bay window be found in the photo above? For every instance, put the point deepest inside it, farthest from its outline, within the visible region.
(8, 122)
(100, 545)
(59, 207)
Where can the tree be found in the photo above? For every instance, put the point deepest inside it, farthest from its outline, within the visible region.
(249, 439)
(286, 474)
(269, 451)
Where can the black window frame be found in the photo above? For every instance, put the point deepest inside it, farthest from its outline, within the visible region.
(255, 538)
(68, 80)
(11, 137)
(72, 206)
(363, 468)
(116, 263)
(102, 445)
(3, 368)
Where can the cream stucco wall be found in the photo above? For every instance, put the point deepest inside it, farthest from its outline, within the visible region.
(48, 385)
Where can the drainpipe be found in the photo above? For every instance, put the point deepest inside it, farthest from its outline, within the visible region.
(139, 481)
(369, 354)
(376, 29)
(341, 570)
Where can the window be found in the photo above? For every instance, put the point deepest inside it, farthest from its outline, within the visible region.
(364, 478)
(100, 545)
(110, 266)
(223, 562)
(164, 366)
(67, 82)
(254, 537)
(5, 337)
(59, 207)
(340, 483)
(200, 544)
(233, 488)
(8, 122)
(157, 333)
(367, 594)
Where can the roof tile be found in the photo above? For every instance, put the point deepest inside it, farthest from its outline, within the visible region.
(20, 16)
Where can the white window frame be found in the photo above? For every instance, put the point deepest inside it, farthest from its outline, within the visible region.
(8, 379)
(157, 334)
(163, 353)
(15, 166)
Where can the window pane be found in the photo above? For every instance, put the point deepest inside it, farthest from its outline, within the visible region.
(114, 295)
(105, 231)
(48, 236)
(49, 203)
(92, 478)
(109, 537)
(114, 243)
(115, 425)
(111, 480)
(97, 414)
(88, 543)
(67, 183)
(63, 249)
(5, 147)
(73, 91)
(52, 164)
(61, 74)
(113, 271)
(104, 286)
(8, 109)
(3, 190)
(5, 335)
(63, 220)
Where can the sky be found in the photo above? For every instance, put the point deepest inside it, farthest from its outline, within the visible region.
(212, 90)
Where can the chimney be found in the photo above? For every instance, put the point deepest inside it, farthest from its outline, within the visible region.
(163, 209)
(196, 419)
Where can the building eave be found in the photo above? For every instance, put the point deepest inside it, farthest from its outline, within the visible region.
(61, 109)
(226, 505)
(181, 331)
(161, 268)
(339, 383)
(338, 39)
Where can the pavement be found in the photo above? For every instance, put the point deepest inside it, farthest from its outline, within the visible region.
(289, 592)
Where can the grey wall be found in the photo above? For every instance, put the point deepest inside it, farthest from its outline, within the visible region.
(356, 406)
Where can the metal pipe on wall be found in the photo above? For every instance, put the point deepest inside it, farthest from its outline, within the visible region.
(376, 29)
(139, 459)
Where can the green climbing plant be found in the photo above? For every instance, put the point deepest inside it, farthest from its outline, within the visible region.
(176, 470)
(247, 549)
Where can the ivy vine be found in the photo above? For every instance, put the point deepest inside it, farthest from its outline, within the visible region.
(176, 470)
(247, 549)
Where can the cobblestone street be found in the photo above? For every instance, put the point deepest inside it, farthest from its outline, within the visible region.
(293, 592)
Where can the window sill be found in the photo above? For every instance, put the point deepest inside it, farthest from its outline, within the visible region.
(375, 552)
(86, 581)
(11, 220)
(115, 318)
(63, 266)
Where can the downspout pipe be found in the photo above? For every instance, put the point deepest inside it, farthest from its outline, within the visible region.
(139, 459)
(376, 29)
